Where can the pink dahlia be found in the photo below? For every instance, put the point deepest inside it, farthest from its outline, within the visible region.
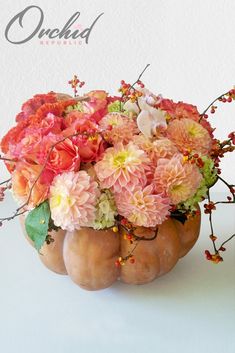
(177, 179)
(142, 207)
(187, 134)
(156, 148)
(185, 110)
(118, 128)
(122, 166)
(73, 197)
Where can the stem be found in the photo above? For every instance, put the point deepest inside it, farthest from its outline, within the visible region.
(130, 253)
(211, 223)
(82, 99)
(8, 159)
(5, 182)
(225, 143)
(232, 236)
(147, 239)
(132, 86)
(16, 214)
(222, 202)
(225, 182)
(138, 238)
(215, 100)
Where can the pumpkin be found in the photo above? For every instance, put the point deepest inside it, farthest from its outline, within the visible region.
(88, 256)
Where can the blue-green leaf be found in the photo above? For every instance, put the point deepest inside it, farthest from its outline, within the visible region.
(37, 224)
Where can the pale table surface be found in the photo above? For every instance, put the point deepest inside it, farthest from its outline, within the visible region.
(192, 309)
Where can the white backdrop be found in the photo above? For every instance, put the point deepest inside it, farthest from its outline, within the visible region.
(191, 48)
(189, 44)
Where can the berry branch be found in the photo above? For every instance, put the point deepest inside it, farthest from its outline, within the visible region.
(212, 103)
(222, 98)
(75, 83)
(216, 257)
(128, 90)
(132, 237)
(139, 77)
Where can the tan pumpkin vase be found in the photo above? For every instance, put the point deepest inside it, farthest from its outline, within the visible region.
(88, 256)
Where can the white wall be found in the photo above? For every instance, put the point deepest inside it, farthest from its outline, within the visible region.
(191, 48)
(189, 44)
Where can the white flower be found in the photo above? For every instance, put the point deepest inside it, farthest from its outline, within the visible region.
(73, 197)
(149, 119)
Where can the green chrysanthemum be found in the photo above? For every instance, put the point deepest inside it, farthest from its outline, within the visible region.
(208, 171)
(191, 204)
(115, 106)
(105, 211)
(77, 107)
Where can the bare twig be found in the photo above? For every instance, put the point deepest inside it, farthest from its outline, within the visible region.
(82, 98)
(5, 181)
(230, 238)
(16, 214)
(136, 237)
(225, 182)
(8, 159)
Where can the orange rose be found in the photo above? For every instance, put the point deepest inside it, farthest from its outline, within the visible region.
(23, 179)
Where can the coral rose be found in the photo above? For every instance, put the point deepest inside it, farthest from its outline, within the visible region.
(63, 157)
(90, 148)
(23, 179)
(32, 105)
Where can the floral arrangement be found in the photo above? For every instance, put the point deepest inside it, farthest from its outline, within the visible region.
(99, 161)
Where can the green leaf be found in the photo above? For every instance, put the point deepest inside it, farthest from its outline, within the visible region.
(37, 224)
